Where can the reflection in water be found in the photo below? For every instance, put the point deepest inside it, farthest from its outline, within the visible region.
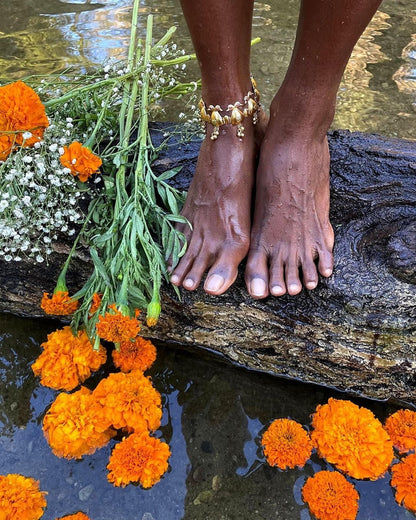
(47, 36)
(213, 418)
(355, 94)
(405, 77)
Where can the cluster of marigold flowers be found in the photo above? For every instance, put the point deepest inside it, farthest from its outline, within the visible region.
(39, 160)
(23, 121)
(357, 445)
(79, 423)
(22, 499)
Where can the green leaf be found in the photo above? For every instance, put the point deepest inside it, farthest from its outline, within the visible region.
(169, 174)
(100, 266)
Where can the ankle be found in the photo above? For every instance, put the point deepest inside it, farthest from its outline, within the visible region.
(298, 112)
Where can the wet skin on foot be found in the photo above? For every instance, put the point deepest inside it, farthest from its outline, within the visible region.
(218, 208)
(291, 226)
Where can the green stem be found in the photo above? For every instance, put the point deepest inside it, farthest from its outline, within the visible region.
(61, 282)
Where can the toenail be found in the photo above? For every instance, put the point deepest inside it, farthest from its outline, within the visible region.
(294, 288)
(311, 285)
(327, 272)
(277, 290)
(214, 283)
(174, 278)
(188, 283)
(258, 287)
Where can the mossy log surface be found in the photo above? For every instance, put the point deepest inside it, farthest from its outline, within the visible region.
(355, 332)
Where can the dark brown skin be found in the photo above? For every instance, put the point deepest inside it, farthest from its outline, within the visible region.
(290, 239)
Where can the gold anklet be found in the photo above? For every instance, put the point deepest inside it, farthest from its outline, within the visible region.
(238, 111)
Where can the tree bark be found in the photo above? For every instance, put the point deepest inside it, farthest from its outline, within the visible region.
(355, 332)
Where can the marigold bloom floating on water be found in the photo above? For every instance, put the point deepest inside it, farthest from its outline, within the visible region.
(59, 303)
(20, 498)
(80, 160)
(286, 444)
(404, 480)
(67, 360)
(138, 458)
(129, 401)
(21, 110)
(351, 438)
(330, 496)
(139, 354)
(72, 425)
(401, 426)
(116, 327)
(77, 516)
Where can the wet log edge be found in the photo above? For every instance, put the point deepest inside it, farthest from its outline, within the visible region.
(356, 332)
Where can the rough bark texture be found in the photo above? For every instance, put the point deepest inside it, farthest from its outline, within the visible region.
(356, 331)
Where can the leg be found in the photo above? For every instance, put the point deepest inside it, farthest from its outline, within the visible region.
(218, 201)
(291, 227)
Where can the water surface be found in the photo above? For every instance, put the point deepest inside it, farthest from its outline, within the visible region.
(213, 417)
(378, 93)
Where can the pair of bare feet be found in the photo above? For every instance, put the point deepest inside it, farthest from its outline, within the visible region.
(288, 238)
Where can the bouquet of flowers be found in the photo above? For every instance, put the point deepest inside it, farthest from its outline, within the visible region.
(75, 160)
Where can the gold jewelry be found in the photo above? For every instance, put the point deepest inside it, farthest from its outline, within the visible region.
(237, 112)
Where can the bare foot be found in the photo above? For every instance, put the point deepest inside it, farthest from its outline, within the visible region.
(218, 208)
(291, 228)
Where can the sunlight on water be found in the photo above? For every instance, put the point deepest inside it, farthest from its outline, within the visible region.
(378, 93)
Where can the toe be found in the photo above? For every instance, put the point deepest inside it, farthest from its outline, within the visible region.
(325, 263)
(277, 284)
(185, 265)
(257, 275)
(195, 273)
(293, 283)
(225, 270)
(310, 275)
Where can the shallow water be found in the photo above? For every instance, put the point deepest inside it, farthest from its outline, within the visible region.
(213, 417)
(378, 93)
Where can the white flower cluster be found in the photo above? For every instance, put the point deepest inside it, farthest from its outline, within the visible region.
(39, 198)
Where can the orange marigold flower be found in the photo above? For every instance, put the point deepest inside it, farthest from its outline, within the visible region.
(330, 496)
(6, 145)
(67, 360)
(80, 160)
(116, 327)
(95, 304)
(77, 516)
(138, 458)
(401, 426)
(21, 110)
(129, 401)
(404, 480)
(59, 303)
(286, 444)
(351, 438)
(72, 425)
(139, 354)
(20, 498)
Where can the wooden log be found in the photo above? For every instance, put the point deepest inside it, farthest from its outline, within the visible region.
(355, 332)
